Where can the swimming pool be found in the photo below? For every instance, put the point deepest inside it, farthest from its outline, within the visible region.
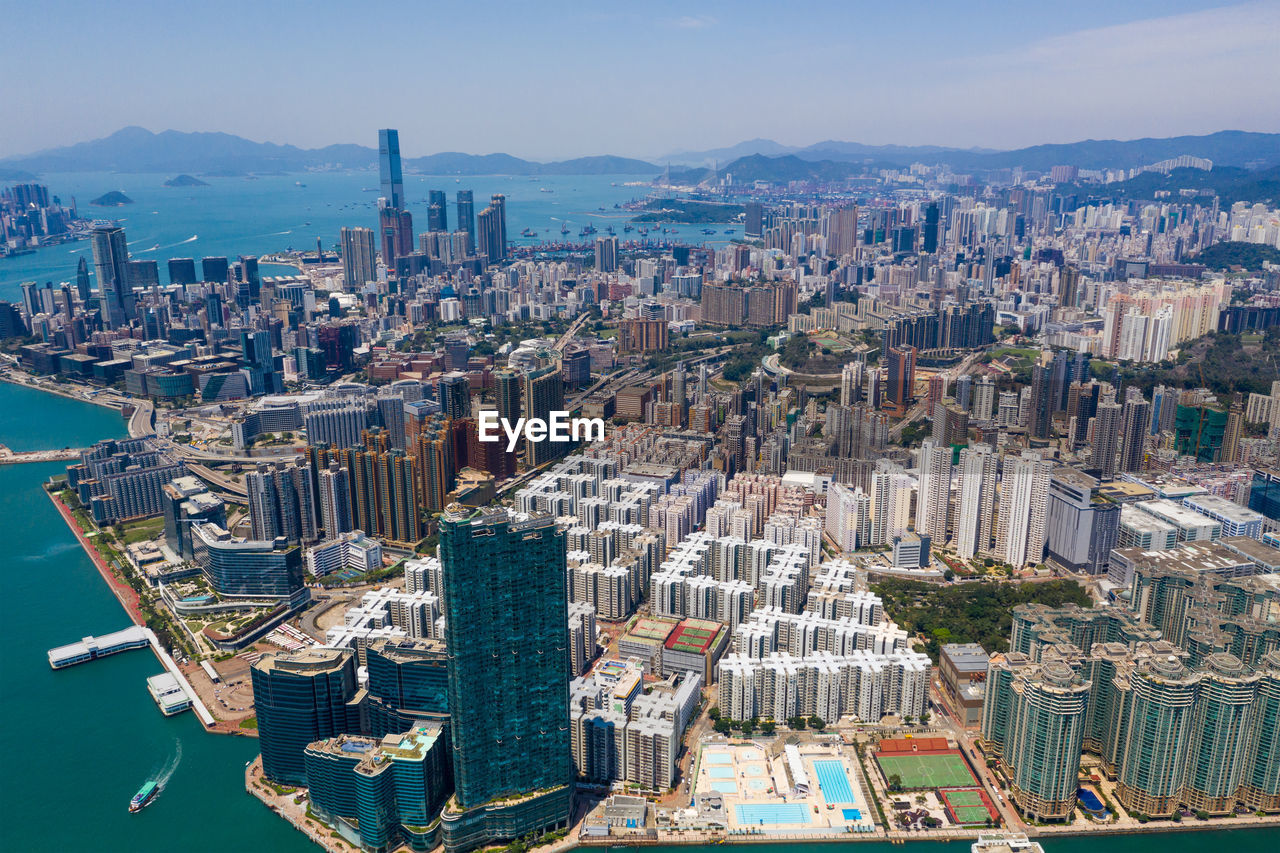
(720, 772)
(757, 814)
(758, 784)
(725, 787)
(852, 814)
(1090, 800)
(834, 782)
(754, 769)
(717, 757)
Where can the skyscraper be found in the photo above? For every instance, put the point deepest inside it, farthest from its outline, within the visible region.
(543, 394)
(359, 257)
(1134, 428)
(607, 253)
(467, 214)
(389, 168)
(301, 697)
(504, 599)
(491, 235)
(1046, 731)
(1106, 439)
(455, 395)
(933, 505)
(977, 501)
(111, 266)
(334, 488)
(1024, 493)
(82, 280)
(1041, 402)
(901, 370)
(280, 499)
(437, 211)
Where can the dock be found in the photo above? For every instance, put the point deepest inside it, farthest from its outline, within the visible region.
(92, 648)
(169, 694)
(20, 457)
(133, 637)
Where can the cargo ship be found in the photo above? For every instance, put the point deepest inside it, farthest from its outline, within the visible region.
(144, 797)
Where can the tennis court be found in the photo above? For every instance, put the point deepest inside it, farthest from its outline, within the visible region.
(939, 770)
(968, 806)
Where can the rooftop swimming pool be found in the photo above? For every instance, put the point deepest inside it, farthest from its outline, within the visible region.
(725, 787)
(758, 784)
(717, 757)
(768, 814)
(834, 782)
(754, 769)
(720, 772)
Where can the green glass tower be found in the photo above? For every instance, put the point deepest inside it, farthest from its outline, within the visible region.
(1261, 784)
(1045, 736)
(1162, 712)
(1224, 707)
(505, 600)
(302, 697)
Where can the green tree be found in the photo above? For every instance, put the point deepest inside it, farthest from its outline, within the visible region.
(714, 712)
(723, 725)
(817, 723)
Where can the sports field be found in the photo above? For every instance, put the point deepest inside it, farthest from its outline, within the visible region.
(968, 806)
(940, 770)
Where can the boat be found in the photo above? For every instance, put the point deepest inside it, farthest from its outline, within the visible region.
(545, 190)
(146, 794)
(728, 230)
(627, 229)
(708, 231)
(997, 843)
(299, 184)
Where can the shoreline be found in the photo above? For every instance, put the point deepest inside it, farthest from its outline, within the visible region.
(37, 386)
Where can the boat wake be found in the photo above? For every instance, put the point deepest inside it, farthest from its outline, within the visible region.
(166, 773)
(190, 239)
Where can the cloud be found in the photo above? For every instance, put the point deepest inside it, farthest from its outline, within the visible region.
(693, 22)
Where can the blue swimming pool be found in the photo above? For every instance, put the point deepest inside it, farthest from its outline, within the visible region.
(834, 782)
(720, 772)
(1090, 800)
(852, 814)
(768, 814)
(717, 757)
(725, 787)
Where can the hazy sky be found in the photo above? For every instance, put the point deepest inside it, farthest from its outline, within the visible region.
(546, 80)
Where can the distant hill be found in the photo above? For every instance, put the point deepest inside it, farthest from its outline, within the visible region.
(115, 198)
(1225, 148)
(136, 149)
(1228, 183)
(185, 181)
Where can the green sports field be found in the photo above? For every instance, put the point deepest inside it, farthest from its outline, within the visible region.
(944, 770)
(972, 814)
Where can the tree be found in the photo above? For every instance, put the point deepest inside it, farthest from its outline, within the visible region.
(714, 712)
(895, 782)
(723, 725)
(908, 719)
(924, 718)
(768, 727)
(747, 728)
(817, 723)
(797, 723)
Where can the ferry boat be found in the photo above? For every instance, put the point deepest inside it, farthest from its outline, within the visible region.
(145, 795)
(1005, 844)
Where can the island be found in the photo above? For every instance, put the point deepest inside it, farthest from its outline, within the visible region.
(688, 212)
(115, 198)
(185, 181)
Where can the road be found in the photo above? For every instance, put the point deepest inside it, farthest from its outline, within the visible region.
(573, 330)
(918, 410)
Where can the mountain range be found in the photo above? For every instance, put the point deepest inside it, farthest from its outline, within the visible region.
(1224, 148)
(135, 149)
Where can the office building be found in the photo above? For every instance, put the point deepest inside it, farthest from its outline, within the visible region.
(390, 179)
(243, 568)
(301, 697)
(505, 603)
(900, 380)
(467, 215)
(187, 502)
(1081, 527)
(111, 268)
(437, 211)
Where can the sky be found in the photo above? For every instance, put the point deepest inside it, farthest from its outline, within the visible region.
(550, 80)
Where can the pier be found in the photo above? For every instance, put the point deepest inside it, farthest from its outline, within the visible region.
(92, 648)
(134, 637)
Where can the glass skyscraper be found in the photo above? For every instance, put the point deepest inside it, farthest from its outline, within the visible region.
(392, 182)
(507, 637)
(302, 697)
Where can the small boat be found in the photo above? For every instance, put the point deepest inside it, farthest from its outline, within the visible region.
(146, 794)
(627, 229)
(708, 231)
(299, 184)
(545, 190)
